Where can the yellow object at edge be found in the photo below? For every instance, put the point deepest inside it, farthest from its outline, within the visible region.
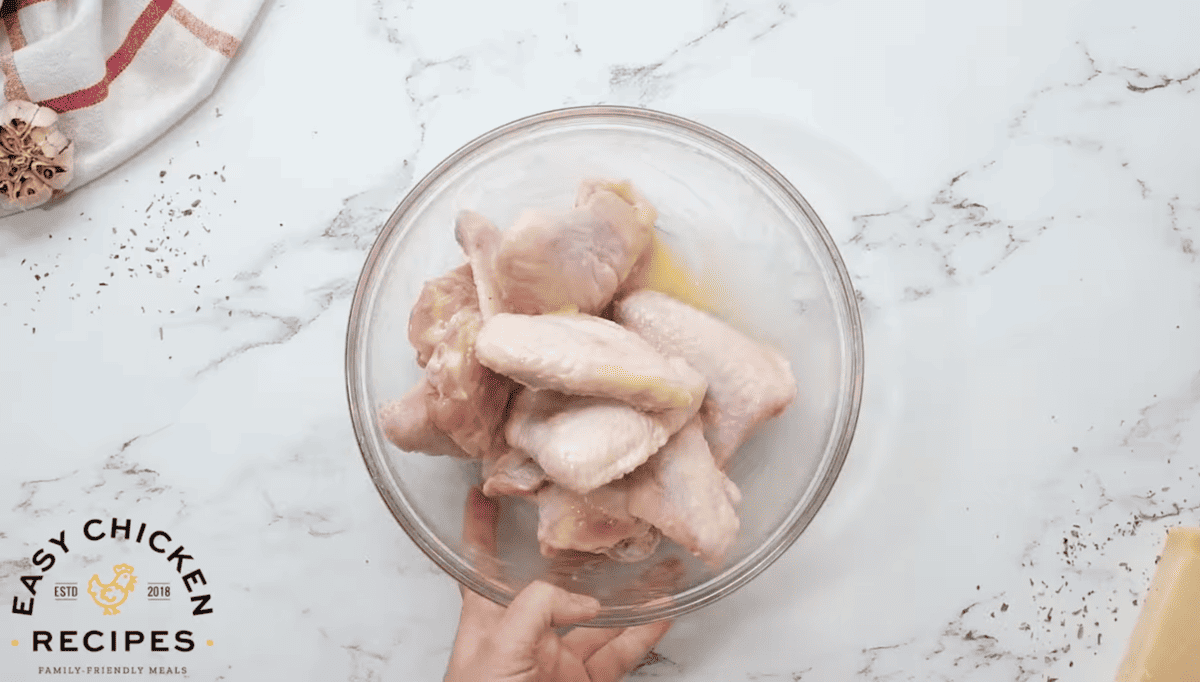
(1165, 645)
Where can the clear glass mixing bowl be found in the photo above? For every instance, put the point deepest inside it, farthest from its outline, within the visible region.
(731, 217)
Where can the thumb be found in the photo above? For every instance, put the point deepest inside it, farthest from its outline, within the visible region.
(540, 607)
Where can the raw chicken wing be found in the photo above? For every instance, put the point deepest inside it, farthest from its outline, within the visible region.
(407, 424)
(596, 522)
(466, 400)
(681, 492)
(584, 442)
(480, 241)
(440, 301)
(548, 263)
(613, 200)
(512, 473)
(586, 355)
(748, 382)
(469, 400)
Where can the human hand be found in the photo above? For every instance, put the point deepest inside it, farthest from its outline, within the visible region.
(519, 644)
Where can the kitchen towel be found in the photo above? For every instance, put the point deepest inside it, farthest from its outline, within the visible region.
(118, 72)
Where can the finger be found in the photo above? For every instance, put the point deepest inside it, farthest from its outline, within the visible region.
(620, 656)
(479, 614)
(584, 642)
(480, 516)
(541, 606)
(479, 522)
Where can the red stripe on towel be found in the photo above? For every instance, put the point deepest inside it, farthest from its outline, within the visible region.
(14, 89)
(138, 33)
(12, 26)
(215, 39)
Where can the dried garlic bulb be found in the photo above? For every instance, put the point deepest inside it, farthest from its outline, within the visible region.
(35, 158)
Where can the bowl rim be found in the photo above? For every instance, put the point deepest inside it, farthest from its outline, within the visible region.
(733, 576)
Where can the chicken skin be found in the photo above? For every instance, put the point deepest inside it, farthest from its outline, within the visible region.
(586, 355)
(437, 310)
(407, 424)
(512, 473)
(466, 400)
(583, 442)
(748, 382)
(574, 261)
(480, 240)
(681, 492)
(615, 202)
(598, 522)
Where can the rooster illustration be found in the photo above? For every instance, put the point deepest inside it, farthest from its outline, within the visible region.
(112, 594)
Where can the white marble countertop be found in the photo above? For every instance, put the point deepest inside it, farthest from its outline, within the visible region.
(1015, 190)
